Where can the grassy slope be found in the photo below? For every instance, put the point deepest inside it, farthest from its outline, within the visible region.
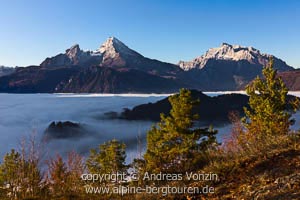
(272, 172)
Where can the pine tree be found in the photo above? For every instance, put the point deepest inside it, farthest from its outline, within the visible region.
(109, 159)
(9, 173)
(268, 113)
(174, 144)
(21, 173)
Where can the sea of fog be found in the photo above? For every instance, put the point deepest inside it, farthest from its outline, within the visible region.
(22, 115)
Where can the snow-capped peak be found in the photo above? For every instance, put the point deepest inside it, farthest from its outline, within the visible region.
(108, 47)
(113, 47)
(227, 52)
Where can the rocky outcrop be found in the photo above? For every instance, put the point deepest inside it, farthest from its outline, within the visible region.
(64, 130)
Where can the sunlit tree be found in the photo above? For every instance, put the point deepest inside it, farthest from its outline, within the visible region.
(108, 159)
(9, 173)
(268, 113)
(174, 144)
(20, 173)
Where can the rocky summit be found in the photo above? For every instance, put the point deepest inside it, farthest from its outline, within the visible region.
(228, 52)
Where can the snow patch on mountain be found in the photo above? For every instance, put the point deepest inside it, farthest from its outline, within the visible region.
(113, 47)
(227, 52)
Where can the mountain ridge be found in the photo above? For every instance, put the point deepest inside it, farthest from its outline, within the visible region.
(232, 53)
(114, 67)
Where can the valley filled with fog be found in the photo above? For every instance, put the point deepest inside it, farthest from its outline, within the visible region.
(23, 115)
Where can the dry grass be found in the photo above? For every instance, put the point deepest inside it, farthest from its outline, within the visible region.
(252, 166)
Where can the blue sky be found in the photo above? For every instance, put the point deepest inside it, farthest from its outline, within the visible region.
(168, 30)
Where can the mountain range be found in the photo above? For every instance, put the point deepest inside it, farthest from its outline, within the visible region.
(115, 68)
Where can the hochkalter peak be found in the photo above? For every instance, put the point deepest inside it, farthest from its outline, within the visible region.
(227, 52)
